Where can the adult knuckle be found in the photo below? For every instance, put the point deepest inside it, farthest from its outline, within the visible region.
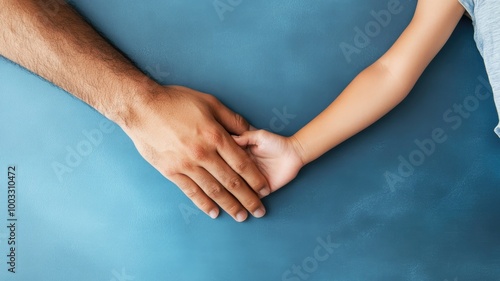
(252, 204)
(234, 184)
(168, 172)
(198, 152)
(214, 191)
(259, 184)
(177, 87)
(239, 121)
(212, 99)
(243, 166)
(233, 208)
(185, 166)
(215, 137)
(192, 192)
(204, 204)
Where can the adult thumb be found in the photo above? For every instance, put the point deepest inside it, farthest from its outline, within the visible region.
(231, 121)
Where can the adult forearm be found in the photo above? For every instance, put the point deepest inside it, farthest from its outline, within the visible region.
(181, 132)
(67, 51)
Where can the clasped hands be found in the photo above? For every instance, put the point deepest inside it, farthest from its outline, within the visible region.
(211, 153)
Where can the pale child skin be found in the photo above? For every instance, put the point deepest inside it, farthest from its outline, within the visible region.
(373, 93)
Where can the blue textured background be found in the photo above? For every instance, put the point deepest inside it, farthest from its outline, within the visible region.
(114, 218)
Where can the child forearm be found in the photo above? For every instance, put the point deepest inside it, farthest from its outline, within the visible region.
(383, 85)
(372, 94)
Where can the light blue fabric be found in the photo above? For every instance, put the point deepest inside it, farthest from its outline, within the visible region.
(485, 15)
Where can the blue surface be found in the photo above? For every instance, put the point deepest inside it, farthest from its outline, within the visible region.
(112, 217)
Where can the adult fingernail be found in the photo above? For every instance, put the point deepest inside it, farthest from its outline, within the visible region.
(265, 191)
(213, 214)
(260, 212)
(241, 216)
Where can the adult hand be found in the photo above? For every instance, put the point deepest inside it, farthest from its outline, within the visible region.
(184, 135)
(181, 132)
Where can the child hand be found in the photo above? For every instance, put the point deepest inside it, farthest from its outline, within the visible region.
(277, 157)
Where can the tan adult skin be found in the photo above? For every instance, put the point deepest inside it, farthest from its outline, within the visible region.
(183, 133)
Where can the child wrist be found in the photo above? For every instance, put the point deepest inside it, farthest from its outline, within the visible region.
(298, 149)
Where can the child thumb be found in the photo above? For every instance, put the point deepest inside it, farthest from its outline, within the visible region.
(247, 138)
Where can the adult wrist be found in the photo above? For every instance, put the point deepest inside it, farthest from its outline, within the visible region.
(133, 100)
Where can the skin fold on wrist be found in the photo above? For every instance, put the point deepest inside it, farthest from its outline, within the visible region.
(299, 149)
